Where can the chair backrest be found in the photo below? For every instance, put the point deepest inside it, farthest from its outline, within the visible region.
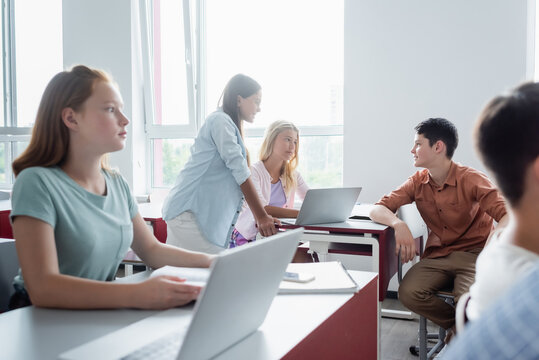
(9, 266)
(411, 216)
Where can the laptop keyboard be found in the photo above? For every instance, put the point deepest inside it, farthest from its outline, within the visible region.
(163, 348)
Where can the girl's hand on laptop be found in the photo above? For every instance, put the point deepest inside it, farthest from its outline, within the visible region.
(266, 225)
(165, 292)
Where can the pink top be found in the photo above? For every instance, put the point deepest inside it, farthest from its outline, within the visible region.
(261, 178)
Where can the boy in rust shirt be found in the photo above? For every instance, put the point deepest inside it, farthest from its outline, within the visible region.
(458, 204)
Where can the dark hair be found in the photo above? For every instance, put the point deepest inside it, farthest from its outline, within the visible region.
(441, 129)
(243, 86)
(507, 138)
(49, 143)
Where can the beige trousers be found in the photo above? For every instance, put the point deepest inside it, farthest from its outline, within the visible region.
(183, 231)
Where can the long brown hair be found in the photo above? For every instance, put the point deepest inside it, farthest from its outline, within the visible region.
(289, 167)
(49, 143)
(243, 86)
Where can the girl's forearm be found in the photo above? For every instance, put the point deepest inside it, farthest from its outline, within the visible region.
(69, 292)
(280, 212)
(252, 199)
(163, 254)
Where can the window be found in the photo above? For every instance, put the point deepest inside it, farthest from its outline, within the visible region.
(299, 65)
(32, 44)
(173, 128)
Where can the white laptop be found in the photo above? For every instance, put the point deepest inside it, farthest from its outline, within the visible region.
(233, 304)
(324, 206)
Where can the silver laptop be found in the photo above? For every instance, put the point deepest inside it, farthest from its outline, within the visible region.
(324, 206)
(233, 304)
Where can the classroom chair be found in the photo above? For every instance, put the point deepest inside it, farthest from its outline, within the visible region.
(9, 266)
(411, 216)
(422, 349)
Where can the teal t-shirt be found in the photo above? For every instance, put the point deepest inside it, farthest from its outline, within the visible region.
(92, 232)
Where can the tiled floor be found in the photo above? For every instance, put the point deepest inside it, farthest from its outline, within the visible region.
(398, 335)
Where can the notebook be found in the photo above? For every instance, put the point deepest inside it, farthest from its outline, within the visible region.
(329, 277)
(233, 304)
(324, 206)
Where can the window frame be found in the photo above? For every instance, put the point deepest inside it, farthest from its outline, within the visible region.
(151, 58)
(151, 53)
(10, 133)
(196, 76)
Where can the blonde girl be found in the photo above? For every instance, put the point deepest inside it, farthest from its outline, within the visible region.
(275, 178)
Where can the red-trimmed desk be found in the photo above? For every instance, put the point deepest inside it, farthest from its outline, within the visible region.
(380, 238)
(151, 212)
(5, 227)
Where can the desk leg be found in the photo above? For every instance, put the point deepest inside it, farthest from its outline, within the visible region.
(395, 314)
(128, 269)
(375, 248)
(314, 255)
(320, 248)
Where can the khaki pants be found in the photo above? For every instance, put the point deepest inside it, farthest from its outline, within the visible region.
(183, 231)
(418, 288)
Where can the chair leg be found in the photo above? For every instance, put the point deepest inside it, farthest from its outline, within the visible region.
(439, 345)
(423, 338)
(421, 349)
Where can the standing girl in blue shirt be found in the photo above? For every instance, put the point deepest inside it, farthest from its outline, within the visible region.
(74, 218)
(202, 207)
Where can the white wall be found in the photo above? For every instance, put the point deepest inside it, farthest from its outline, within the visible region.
(101, 34)
(406, 61)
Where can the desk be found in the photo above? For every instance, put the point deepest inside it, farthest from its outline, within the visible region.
(151, 212)
(380, 238)
(5, 226)
(9, 266)
(307, 326)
